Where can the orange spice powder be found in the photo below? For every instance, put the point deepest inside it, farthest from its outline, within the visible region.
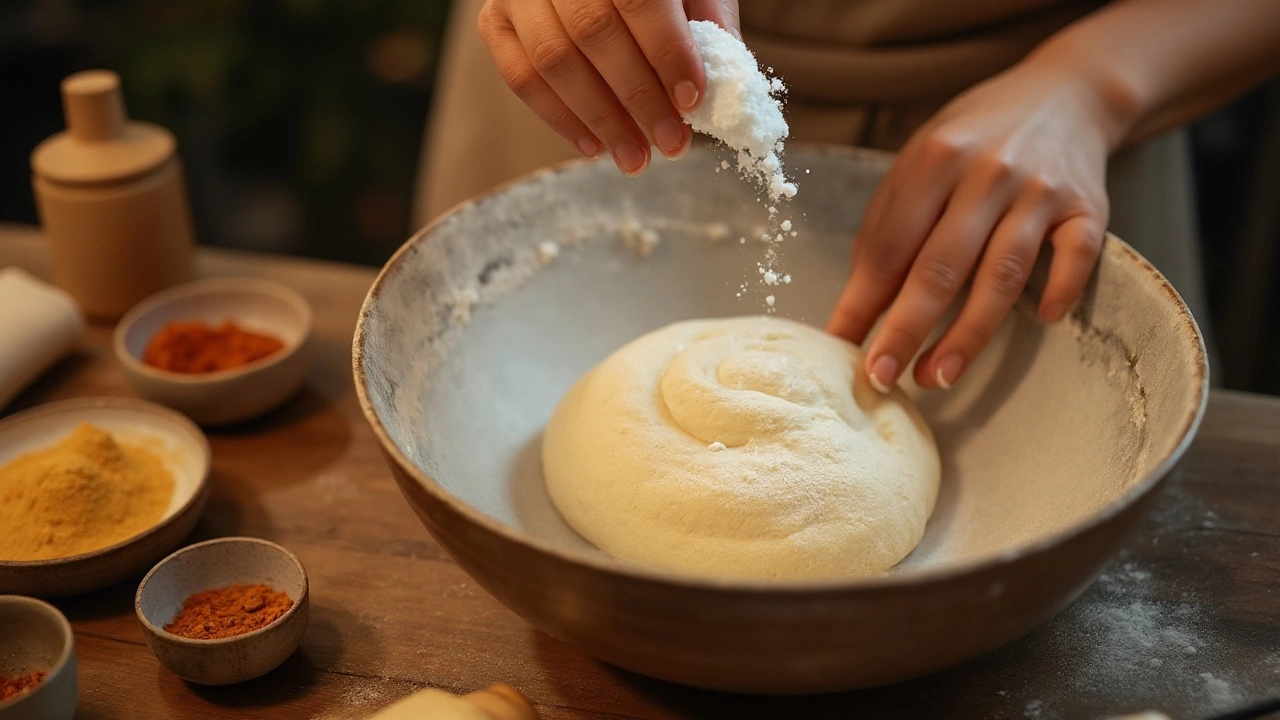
(228, 611)
(11, 687)
(195, 347)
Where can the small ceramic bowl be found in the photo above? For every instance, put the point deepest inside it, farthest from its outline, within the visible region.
(175, 439)
(35, 637)
(225, 396)
(215, 564)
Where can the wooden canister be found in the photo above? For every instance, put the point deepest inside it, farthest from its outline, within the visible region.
(112, 201)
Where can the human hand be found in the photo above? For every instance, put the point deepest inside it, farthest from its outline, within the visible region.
(606, 74)
(1012, 162)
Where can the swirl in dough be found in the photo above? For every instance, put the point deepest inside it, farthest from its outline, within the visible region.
(742, 447)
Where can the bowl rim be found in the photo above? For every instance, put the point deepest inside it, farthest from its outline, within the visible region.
(599, 562)
(171, 638)
(64, 657)
(207, 286)
(121, 403)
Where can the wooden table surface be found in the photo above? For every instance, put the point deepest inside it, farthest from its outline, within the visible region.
(1186, 620)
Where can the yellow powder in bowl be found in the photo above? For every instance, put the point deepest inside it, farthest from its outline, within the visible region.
(83, 493)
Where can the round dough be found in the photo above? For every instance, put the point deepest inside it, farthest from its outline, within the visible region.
(742, 447)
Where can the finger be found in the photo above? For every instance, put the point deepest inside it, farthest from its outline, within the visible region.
(1076, 246)
(939, 272)
(661, 30)
(519, 74)
(606, 40)
(1002, 274)
(884, 254)
(559, 61)
(721, 12)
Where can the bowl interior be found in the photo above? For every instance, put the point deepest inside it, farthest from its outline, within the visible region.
(169, 436)
(1051, 425)
(254, 305)
(33, 637)
(215, 564)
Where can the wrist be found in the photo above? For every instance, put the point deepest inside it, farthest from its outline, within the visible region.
(1111, 99)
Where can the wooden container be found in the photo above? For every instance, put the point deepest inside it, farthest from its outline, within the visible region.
(112, 200)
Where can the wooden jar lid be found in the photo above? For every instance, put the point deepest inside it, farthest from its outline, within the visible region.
(100, 144)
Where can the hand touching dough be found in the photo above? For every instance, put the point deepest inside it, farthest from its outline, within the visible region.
(744, 447)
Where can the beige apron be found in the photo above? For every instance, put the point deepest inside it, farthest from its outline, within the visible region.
(860, 72)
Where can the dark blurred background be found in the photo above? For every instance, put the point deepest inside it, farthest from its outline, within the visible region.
(300, 124)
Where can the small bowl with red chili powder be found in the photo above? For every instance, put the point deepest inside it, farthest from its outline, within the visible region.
(220, 350)
(224, 611)
(37, 661)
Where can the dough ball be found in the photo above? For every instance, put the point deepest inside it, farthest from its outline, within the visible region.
(744, 447)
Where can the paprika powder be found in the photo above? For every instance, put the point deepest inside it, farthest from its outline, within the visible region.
(228, 611)
(12, 687)
(195, 347)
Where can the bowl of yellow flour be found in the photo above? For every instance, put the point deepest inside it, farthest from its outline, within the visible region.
(1049, 450)
(93, 491)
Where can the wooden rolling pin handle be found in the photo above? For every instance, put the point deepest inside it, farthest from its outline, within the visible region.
(94, 105)
(502, 702)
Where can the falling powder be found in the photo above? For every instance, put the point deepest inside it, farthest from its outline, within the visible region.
(742, 109)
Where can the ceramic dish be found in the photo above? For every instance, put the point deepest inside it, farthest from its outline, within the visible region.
(215, 564)
(1052, 444)
(225, 396)
(36, 637)
(178, 442)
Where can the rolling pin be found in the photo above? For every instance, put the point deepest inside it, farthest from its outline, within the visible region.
(498, 702)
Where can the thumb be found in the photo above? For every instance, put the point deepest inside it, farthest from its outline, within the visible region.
(721, 12)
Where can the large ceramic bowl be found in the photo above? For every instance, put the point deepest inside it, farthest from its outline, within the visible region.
(1052, 445)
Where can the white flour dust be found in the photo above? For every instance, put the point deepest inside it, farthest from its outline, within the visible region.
(743, 110)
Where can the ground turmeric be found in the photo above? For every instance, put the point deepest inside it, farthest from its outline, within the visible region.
(83, 493)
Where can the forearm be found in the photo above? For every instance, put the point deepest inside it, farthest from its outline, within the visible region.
(1155, 64)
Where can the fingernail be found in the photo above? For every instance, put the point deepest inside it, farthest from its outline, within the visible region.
(668, 135)
(884, 372)
(948, 371)
(686, 95)
(629, 157)
(590, 147)
(1053, 313)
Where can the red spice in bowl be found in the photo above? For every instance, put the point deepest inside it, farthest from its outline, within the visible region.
(228, 611)
(195, 347)
(12, 687)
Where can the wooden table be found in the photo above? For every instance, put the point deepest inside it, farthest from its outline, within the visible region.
(1186, 620)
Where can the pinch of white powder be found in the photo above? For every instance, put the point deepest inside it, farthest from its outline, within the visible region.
(739, 108)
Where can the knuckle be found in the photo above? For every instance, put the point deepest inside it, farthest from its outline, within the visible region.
(634, 6)
(488, 23)
(552, 57)
(900, 337)
(592, 24)
(939, 278)
(644, 95)
(883, 258)
(523, 81)
(976, 333)
(939, 149)
(1007, 275)
(994, 169)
